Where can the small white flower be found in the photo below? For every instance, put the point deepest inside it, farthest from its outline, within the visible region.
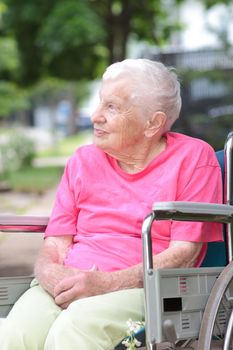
(131, 342)
(137, 342)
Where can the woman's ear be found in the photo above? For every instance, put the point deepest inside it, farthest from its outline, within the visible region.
(155, 124)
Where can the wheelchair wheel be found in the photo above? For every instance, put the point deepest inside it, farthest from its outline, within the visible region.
(217, 325)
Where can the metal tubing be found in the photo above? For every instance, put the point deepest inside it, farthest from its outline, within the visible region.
(147, 268)
(228, 159)
(23, 223)
(228, 334)
(147, 242)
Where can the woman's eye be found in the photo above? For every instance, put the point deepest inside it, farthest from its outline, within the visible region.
(112, 108)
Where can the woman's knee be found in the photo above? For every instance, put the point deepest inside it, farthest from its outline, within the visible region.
(17, 336)
(81, 325)
(95, 321)
(27, 324)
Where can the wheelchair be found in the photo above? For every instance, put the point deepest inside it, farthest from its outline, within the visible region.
(181, 305)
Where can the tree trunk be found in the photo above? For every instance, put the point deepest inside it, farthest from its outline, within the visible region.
(117, 37)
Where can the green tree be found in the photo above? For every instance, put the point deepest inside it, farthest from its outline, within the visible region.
(73, 39)
(12, 98)
(147, 20)
(54, 38)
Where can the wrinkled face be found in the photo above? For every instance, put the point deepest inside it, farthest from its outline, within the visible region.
(118, 122)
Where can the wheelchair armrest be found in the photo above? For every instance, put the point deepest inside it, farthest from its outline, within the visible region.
(23, 223)
(181, 211)
(193, 211)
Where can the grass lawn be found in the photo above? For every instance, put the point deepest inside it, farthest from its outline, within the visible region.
(67, 146)
(40, 179)
(37, 180)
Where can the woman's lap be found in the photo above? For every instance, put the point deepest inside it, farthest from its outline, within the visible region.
(97, 322)
(28, 322)
(36, 321)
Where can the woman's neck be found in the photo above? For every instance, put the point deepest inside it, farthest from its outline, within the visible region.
(136, 162)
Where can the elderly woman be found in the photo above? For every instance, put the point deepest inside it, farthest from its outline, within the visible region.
(89, 275)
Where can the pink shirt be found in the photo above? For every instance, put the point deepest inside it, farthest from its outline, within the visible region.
(103, 207)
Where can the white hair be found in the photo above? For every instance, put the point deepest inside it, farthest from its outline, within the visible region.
(155, 87)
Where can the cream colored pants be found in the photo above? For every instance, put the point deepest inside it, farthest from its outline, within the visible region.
(95, 323)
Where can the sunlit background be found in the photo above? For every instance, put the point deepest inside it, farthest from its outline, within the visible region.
(53, 53)
(52, 56)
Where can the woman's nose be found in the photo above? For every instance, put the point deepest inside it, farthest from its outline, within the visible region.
(98, 116)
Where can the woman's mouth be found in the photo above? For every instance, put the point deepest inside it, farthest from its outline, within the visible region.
(99, 132)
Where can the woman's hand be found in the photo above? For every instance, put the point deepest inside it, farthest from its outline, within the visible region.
(82, 284)
(66, 284)
(55, 273)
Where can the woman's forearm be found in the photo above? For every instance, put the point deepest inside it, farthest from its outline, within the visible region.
(49, 268)
(46, 269)
(179, 254)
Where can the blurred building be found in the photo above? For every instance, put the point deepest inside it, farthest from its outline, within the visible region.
(202, 54)
(207, 91)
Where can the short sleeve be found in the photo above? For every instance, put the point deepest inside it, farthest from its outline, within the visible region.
(204, 185)
(63, 220)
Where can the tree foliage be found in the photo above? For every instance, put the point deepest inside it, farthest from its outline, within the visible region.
(73, 39)
(211, 3)
(9, 60)
(147, 20)
(54, 37)
(12, 98)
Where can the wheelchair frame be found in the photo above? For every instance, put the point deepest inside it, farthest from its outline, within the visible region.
(174, 312)
(178, 302)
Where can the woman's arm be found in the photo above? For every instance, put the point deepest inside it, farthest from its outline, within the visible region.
(179, 254)
(49, 268)
(83, 284)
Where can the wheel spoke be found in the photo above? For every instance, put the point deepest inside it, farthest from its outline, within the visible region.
(217, 312)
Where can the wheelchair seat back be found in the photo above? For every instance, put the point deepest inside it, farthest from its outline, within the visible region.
(216, 254)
